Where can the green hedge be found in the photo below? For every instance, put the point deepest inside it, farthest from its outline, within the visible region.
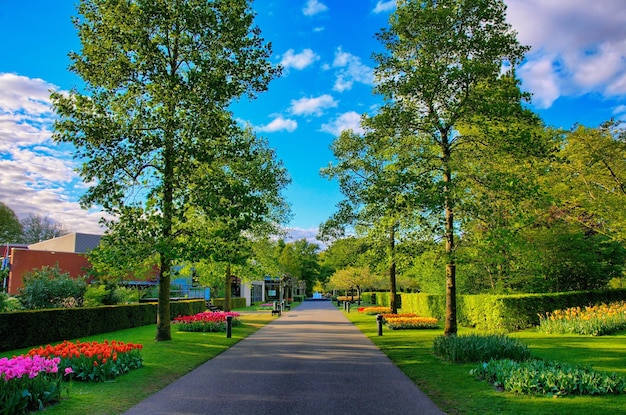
(236, 302)
(38, 327)
(498, 313)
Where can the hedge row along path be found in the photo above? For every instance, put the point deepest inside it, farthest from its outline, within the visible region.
(311, 360)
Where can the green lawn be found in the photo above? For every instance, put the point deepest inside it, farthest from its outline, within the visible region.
(164, 362)
(449, 385)
(456, 392)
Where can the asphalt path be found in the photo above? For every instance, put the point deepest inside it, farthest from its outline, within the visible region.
(309, 361)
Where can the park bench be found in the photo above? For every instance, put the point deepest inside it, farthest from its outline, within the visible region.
(276, 311)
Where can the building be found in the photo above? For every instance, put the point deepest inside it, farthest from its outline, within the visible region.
(66, 251)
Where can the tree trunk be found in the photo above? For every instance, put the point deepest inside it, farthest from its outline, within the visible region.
(392, 271)
(163, 313)
(228, 287)
(450, 328)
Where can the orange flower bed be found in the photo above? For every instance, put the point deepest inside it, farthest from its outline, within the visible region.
(374, 310)
(404, 323)
(93, 361)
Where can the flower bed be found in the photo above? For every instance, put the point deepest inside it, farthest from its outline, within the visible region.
(206, 322)
(596, 320)
(404, 323)
(93, 361)
(28, 383)
(31, 381)
(371, 311)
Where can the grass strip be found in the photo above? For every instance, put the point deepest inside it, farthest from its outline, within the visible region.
(163, 363)
(455, 391)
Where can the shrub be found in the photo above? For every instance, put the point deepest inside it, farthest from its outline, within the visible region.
(49, 287)
(548, 378)
(477, 348)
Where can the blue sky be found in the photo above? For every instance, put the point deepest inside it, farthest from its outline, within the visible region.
(576, 71)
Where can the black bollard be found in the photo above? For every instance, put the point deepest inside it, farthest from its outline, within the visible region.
(379, 320)
(348, 306)
(229, 326)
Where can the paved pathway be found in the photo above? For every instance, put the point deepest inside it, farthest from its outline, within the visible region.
(310, 361)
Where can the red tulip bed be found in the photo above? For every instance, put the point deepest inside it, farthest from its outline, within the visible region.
(372, 311)
(32, 381)
(207, 321)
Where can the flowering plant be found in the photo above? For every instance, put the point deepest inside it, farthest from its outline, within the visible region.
(594, 320)
(207, 321)
(94, 361)
(398, 322)
(28, 383)
(374, 310)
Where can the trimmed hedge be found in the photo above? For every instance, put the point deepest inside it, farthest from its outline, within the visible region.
(235, 302)
(497, 313)
(36, 327)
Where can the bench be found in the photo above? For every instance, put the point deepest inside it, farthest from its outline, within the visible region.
(276, 312)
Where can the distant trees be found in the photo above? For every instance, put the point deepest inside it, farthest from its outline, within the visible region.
(32, 229)
(39, 228)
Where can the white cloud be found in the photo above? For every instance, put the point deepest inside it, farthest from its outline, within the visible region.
(298, 60)
(313, 7)
(312, 106)
(278, 124)
(346, 121)
(577, 45)
(37, 175)
(384, 6)
(540, 75)
(309, 234)
(351, 70)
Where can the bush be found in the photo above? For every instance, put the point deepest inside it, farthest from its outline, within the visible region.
(101, 294)
(48, 287)
(548, 378)
(476, 348)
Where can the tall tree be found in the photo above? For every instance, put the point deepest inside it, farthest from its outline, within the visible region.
(10, 226)
(39, 228)
(159, 76)
(443, 65)
(590, 181)
(381, 189)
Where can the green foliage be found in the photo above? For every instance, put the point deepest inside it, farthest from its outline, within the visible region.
(479, 348)
(533, 377)
(10, 226)
(106, 294)
(48, 287)
(235, 303)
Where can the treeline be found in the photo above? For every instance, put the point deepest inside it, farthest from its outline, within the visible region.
(31, 229)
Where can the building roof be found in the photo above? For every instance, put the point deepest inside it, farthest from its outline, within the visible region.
(73, 242)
